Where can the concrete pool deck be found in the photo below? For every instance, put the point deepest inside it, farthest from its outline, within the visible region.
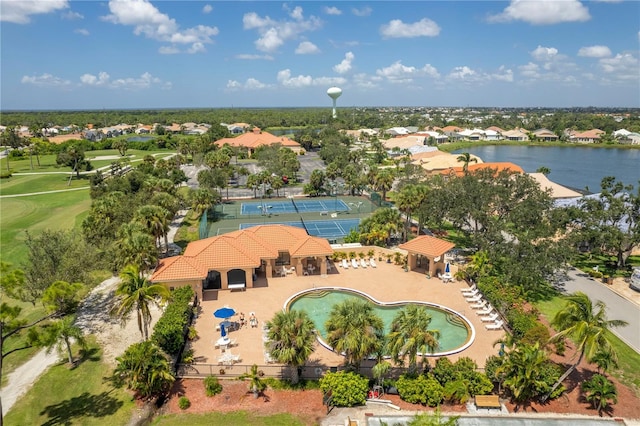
(386, 283)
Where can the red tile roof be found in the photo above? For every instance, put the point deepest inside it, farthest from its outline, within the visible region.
(428, 246)
(257, 138)
(239, 249)
(498, 166)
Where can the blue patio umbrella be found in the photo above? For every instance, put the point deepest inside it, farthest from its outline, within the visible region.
(223, 330)
(224, 313)
(447, 268)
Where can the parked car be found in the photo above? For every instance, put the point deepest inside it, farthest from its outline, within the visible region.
(634, 282)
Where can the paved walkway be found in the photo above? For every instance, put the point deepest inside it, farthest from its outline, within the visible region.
(618, 307)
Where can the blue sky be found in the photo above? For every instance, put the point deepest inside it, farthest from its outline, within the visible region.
(60, 54)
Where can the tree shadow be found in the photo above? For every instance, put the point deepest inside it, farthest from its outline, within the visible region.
(90, 354)
(86, 405)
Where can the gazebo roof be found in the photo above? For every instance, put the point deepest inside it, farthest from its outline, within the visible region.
(428, 246)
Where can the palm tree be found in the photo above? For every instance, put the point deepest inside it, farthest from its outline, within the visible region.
(136, 247)
(522, 371)
(60, 334)
(605, 360)
(137, 293)
(145, 369)
(384, 181)
(353, 328)
(291, 337)
(465, 158)
(201, 200)
(587, 325)
(410, 334)
(256, 384)
(156, 221)
(599, 391)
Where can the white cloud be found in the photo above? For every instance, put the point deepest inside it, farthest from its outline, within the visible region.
(398, 29)
(623, 66)
(543, 12)
(399, 73)
(102, 79)
(168, 50)
(233, 85)
(252, 83)
(81, 31)
(285, 79)
(145, 81)
(332, 10)
(306, 48)
(365, 81)
(45, 80)
(503, 74)
(19, 12)
(365, 11)
(544, 53)
(147, 20)
(345, 65)
(463, 73)
(274, 34)
(252, 57)
(207, 9)
(530, 70)
(595, 52)
(71, 15)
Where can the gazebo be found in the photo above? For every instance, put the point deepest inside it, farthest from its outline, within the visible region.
(426, 253)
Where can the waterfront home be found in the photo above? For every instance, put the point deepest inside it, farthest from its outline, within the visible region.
(589, 136)
(515, 135)
(545, 135)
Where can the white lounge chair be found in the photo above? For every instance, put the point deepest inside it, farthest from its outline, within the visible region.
(470, 293)
(354, 263)
(491, 318)
(472, 289)
(495, 326)
(345, 264)
(475, 298)
(479, 305)
(372, 262)
(363, 263)
(486, 311)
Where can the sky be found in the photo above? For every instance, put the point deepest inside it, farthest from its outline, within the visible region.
(117, 54)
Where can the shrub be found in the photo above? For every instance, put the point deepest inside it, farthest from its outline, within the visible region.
(347, 388)
(600, 392)
(521, 322)
(420, 390)
(212, 386)
(539, 333)
(169, 331)
(184, 403)
(4, 174)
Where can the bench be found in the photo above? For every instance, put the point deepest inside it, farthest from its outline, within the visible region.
(241, 286)
(324, 213)
(487, 401)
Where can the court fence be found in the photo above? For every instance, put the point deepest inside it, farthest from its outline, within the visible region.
(203, 230)
(376, 199)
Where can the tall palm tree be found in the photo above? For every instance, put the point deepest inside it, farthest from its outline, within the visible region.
(384, 181)
(201, 200)
(136, 247)
(353, 328)
(587, 325)
(291, 337)
(156, 220)
(135, 292)
(410, 334)
(465, 158)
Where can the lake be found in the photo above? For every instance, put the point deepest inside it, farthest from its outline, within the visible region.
(578, 167)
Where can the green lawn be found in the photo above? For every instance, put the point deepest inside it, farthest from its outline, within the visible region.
(26, 184)
(237, 418)
(79, 396)
(34, 214)
(628, 371)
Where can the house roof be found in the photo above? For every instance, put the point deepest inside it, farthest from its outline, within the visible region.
(588, 134)
(257, 138)
(239, 249)
(428, 246)
(499, 166)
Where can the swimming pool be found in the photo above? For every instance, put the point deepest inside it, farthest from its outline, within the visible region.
(456, 332)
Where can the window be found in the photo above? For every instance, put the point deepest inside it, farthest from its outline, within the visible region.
(283, 258)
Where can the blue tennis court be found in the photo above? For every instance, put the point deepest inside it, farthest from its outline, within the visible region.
(318, 228)
(293, 206)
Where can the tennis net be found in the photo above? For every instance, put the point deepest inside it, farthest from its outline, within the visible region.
(294, 205)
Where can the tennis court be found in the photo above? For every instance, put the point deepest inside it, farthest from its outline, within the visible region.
(293, 206)
(318, 228)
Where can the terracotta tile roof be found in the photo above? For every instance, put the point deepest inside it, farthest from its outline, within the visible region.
(451, 129)
(239, 249)
(257, 138)
(428, 246)
(179, 268)
(499, 166)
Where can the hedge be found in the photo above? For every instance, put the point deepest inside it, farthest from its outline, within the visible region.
(169, 331)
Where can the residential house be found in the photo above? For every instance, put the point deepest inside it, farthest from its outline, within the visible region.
(515, 135)
(589, 136)
(630, 139)
(397, 131)
(473, 167)
(545, 135)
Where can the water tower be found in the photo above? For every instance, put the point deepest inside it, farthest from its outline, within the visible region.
(334, 93)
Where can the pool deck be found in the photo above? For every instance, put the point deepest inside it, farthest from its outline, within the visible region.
(386, 283)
